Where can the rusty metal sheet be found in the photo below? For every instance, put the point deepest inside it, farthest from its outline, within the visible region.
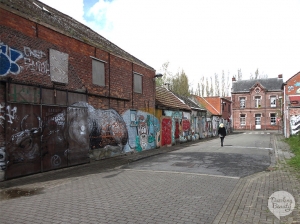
(24, 94)
(60, 97)
(23, 135)
(76, 97)
(54, 141)
(48, 96)
(78, 135)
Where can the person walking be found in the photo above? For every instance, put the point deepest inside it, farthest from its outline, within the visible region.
(222, 133)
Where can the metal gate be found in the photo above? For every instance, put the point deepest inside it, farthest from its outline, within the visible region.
(43, 130)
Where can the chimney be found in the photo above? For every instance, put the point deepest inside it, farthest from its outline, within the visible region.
(233, 79)
(280, 76)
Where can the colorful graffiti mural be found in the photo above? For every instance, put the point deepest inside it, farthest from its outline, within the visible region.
(143, 130)
(295, 124)
(166, 131)
(35, 61)
(8, 60)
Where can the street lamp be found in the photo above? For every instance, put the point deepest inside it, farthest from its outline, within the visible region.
(158, 75)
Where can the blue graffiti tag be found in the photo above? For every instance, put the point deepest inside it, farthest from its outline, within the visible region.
(8, 61)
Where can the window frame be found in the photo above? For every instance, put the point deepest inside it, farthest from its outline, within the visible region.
(242, 99)
(273, 118)
(243, 119)
(98, 64)
(136, 84)
(257, 101)
(273, 104)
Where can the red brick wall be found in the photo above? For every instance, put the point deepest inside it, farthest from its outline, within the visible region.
(250, 110)
(2, 113)
(28, 37)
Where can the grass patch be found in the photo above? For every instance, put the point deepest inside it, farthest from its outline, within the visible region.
(294, 143)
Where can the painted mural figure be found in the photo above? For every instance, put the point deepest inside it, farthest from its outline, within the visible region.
(142, 133)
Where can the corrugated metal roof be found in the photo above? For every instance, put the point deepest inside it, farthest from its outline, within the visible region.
(50, 17)
(165, 99)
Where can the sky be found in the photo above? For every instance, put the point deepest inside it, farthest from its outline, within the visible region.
(201, 37)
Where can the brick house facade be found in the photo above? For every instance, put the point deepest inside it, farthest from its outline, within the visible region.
(256, 104)
(291, 106)
(67, 93)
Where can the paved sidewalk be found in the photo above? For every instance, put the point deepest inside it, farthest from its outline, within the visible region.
(248, 202)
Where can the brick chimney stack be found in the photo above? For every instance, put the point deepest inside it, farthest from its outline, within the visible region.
(280, 76)
(233, 79)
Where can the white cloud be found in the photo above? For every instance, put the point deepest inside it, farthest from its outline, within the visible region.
(202, 37)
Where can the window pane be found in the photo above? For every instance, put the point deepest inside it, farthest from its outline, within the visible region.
(98, 73)
(137, 83)
(257, 102)
(273, 119)
(243, 119)
(242, 102)
(273, 101)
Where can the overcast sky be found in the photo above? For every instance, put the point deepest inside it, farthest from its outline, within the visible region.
(202, 37)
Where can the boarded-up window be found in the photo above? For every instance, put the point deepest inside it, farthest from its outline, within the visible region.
(59, 63)
(137, 83)
(98, 73)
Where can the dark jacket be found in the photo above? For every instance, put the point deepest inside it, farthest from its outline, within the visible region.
(222, 131)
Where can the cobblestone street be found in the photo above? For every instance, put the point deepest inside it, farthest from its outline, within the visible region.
(117, 195)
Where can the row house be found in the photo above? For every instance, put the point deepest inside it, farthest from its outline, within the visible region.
(175, 117)
(256, 103)
(291, 106)
(198, 118)
(218, 111)
(67, 93)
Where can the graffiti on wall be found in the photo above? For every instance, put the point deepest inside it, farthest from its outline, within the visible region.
(62, 136)
(166, 131)
(295, 124)
(36, 61)
(143, 130)
(10, 113)
(27, 139)
(8, 60)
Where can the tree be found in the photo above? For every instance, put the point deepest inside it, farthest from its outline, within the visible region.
(202, 86)
(207, 87)
(211, 89)
(258, 75)
(223, 84)
(217, 85)
(167, 75)
(180, 84)
(239, 75)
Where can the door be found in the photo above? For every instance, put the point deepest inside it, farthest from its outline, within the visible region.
(257, 121)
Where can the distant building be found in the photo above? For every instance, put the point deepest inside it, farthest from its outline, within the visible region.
(256, 103)
(218, 111)
(291, 105)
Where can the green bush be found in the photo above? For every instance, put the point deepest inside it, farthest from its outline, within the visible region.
(294, 143)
